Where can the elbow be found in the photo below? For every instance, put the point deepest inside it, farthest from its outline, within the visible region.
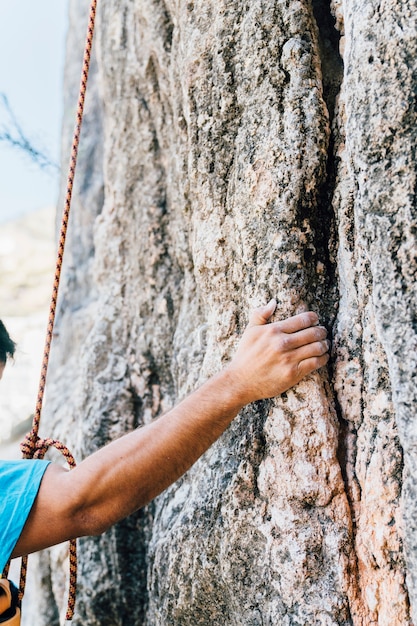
(88, 518)
(90, 523)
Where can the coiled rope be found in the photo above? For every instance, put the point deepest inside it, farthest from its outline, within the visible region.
(34, 447)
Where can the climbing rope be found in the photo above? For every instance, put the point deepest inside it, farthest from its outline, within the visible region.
(33, 447)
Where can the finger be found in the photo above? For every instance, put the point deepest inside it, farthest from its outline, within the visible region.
(305, 337)
(299, 322)
(311, 350)
(262, 314)
(310, 365)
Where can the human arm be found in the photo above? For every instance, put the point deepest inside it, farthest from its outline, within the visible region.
(120, 478)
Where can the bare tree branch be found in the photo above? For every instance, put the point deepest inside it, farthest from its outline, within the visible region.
(13, 135)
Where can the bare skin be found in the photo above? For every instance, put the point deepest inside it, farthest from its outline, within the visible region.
(125, 475)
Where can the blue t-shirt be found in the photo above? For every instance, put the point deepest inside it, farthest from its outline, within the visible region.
(19, 486)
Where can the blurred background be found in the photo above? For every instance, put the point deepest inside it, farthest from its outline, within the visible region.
(32, 50)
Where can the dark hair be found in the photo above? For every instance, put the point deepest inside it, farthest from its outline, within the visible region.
(7, 346)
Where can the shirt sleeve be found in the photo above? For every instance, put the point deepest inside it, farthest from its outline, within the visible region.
(19, 486)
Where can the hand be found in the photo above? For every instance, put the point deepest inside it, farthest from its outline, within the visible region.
(273, 357)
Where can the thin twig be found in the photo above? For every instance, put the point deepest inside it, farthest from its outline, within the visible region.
(13, 135)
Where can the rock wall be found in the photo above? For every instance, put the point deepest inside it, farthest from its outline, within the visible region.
(234, 151)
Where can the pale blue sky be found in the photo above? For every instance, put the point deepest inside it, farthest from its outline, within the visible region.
(32, 48)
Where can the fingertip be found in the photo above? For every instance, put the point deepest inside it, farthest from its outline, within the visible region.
(269, 309)
(308, 319)
(314, 318)
(325, 359)
(262, 314)
(272, 305)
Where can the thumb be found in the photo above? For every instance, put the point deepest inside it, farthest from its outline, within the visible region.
(261, 315)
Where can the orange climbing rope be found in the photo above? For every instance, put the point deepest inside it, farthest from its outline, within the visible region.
(33, 446)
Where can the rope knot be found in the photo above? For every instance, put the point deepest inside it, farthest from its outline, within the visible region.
(29, 445)
(34, 447)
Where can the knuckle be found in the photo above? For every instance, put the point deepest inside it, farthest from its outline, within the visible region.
(305, 321)
(283, 343)
(274, 329)
(298, 370)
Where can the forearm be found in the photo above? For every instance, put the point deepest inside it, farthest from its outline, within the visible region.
(128, 473)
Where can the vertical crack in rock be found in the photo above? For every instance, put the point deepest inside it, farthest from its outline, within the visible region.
(324, 219)
(326, 235)
(327, 246)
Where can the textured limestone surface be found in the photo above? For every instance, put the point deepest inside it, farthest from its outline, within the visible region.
(234, 151)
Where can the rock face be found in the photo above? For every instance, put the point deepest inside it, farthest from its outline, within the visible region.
(234, 151)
